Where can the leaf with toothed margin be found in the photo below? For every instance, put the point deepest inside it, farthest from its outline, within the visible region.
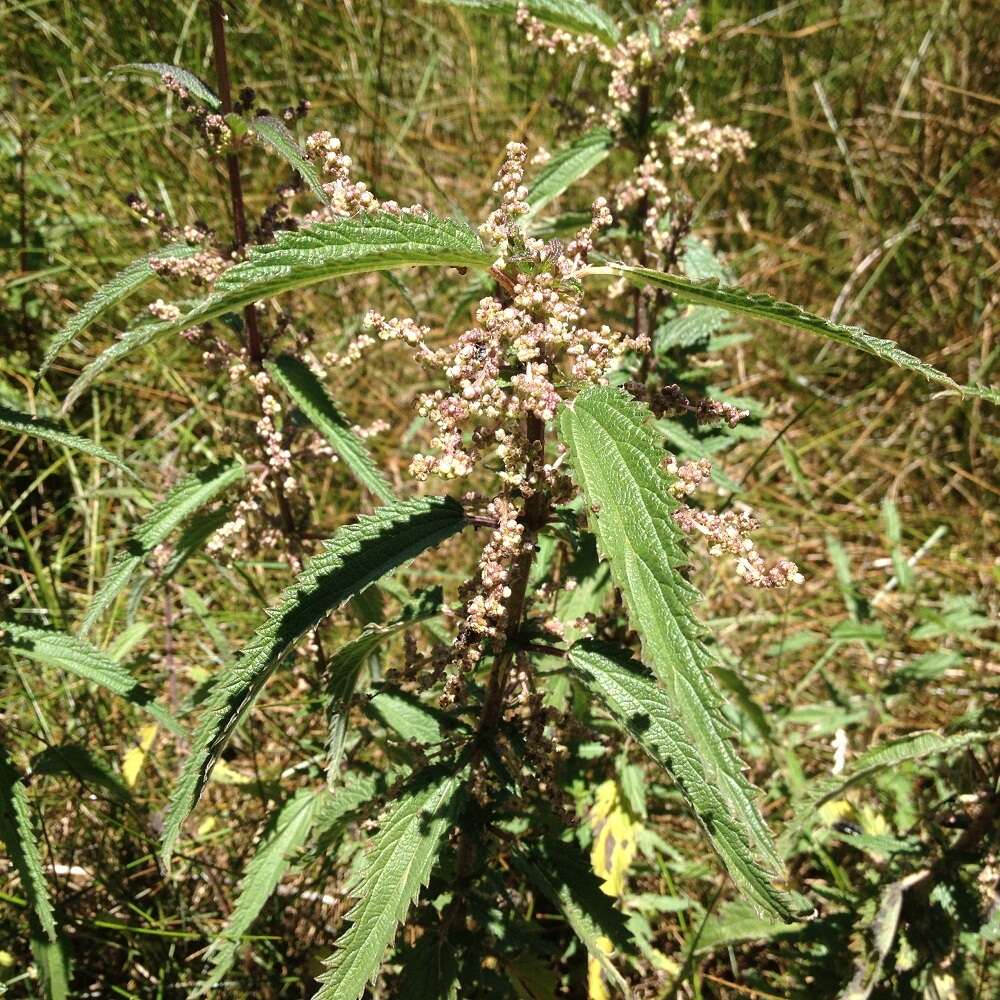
(309, 395)
(48, 430)
(642, 708)
(285, 834)
(127, 281)
(372, 241)
(738, 300)
(273, 133)
(183, 500)
(186, 79)
(79, 657)
(615, 457)
(357, 556)
(576, 16)
(399, 863)
(566, 167)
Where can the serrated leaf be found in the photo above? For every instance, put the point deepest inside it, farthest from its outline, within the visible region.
(309, 394)
(375, 241)
(565, 168)
(407, 716)
(284, 835)
(357, 556)
(616, 459)
(186, 79)
(127, 281)
(336, 807)
(737, 300)
(18, 833)
(399, 863)
(48, 430)
(722, 799)
(76, 656)
(343, 668)
(273, 133)
(566, 880)
(184, 499)
(576, 16)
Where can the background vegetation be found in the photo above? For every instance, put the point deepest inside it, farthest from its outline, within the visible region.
(870, 193)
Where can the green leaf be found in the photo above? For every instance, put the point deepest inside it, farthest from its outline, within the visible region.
(402, 856)
(343, 668)
(272, 133)
(737, 300)
(430, 969)
(375, 241)
(407, 716)
(357, 556)
(336, 808)
(79, 763)
(183, 500)
(284, 835)
(576, 16)
(188, 80)
(567, 880)
(119, 288)
(298, 380)
(566, 167)
(49, 430)
(19, 835)
(722, 799)
(76, 656)
(616, 460)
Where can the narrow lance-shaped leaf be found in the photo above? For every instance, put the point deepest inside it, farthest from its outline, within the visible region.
(374, 241)
(48, 430)
(76, 656)
(738, 300)
(343, 668)
(127, 281)
(643, 709)
(186, 79)
(566, 167)
(183, 500)
(569, 883)
(80, 763)
(357, 556)
(400, 862)
(616, 458)
(298, 380)
(577, 16)
(19, 835)
(273, 133)
(284, 835)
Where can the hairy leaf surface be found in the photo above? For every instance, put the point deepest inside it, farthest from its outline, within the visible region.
(309, 394)
(130, 279)
(357, 556)
(186, 79)
(49, 430)
(273, 133)
(402, 856)
(285, 834)
(75, 655)
(374, 241)
(615, 457)
(577, 16)
(643, 709)
(565, 168)
(19, 835)
(183, 500)
(737, 300)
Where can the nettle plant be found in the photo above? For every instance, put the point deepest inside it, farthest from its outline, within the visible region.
(575, 635)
